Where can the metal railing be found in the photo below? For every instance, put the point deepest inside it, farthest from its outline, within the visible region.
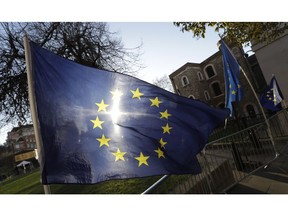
(228, 160)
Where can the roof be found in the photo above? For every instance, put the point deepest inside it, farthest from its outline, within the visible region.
(190, 64)
(20, 127)
(179, 70)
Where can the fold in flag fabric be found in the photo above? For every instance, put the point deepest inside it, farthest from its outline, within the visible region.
(231, 73)
(272, 96)
(98, 125)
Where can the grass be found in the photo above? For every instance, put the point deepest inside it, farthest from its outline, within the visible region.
(25, 184)
(30, 184)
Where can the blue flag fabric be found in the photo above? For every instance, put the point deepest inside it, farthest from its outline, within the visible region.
(98, 125)
(231, 73)
(272, 96)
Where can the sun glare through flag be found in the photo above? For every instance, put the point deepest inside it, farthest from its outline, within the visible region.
(98, 125)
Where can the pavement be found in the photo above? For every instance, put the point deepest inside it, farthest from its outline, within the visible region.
(271, 179)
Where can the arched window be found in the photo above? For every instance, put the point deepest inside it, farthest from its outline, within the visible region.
(216, 88)
(191, 97)
(200, 76)
(251, 110)
(207, 95)
(184, 81)
(210, 72)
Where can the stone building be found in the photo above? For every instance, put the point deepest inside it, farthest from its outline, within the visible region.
(205, 81)
(22, 141)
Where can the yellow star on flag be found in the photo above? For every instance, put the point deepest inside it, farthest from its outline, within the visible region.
(102, 106)
(119, 155)
(137, 94)
(142, 159)
(233, 92)
(97, 123)
(165, 114)
(103, 140)
(166, 129)
(155, 102)
(162, 143)
(160, 153)
(116, 94)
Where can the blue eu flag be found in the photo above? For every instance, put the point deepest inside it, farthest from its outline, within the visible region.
(98, 125)
(231, 73)
(272, 96)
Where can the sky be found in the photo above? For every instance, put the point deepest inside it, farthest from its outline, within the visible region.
(165, 49)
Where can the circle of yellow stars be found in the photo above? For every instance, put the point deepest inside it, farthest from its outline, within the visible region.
(119, 155)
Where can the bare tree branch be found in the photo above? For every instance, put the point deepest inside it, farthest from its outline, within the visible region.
(90, 44)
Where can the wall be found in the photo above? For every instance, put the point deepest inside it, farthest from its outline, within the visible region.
(197, 88)
(273, 59)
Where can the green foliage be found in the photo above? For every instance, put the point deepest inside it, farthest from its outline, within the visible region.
(242, 33)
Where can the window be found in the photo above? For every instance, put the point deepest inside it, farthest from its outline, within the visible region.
(216, 88)
(191, 97)
(200, 77)
(250, 110)
(207, 95)
(185, 81)
(210, 71)
(17, 146)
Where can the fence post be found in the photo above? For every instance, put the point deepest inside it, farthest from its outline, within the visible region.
(209, 178)
(237, 157)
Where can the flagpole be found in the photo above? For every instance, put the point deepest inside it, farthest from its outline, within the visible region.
(34, 109)
(155, 184)
(262, 110)
(226, 120)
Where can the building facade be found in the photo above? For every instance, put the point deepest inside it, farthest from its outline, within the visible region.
(205, 81)
(22, 140)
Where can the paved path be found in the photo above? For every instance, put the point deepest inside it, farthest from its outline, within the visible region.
(272, 179)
